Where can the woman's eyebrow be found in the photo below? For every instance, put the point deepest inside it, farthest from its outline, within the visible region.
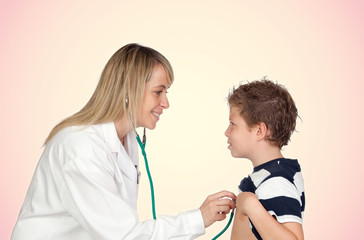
(162, 86)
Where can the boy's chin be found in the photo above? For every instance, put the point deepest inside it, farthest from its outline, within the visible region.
(236, 155)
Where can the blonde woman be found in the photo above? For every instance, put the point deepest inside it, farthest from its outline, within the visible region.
(85, 184)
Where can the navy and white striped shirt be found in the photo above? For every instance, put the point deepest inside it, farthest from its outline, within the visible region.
(278, 185)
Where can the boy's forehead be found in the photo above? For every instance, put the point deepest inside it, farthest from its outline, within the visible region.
(234, 111)
(234, 108)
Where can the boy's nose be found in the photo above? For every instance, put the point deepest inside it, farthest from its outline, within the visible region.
(227, 132)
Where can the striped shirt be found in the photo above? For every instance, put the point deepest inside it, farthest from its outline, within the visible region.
(278, 185)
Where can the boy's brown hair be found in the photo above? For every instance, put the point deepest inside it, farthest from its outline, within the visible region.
(267, 102)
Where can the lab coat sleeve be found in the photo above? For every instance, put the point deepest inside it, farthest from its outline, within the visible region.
(90, 195)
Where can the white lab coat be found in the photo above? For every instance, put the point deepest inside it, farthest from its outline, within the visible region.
(85, 187)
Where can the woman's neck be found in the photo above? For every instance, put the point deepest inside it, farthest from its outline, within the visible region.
(122, 126)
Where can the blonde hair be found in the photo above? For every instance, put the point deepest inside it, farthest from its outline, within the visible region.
(123, 79)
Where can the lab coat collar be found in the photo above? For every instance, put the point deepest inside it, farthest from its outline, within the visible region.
(127, 156)
(110, 136)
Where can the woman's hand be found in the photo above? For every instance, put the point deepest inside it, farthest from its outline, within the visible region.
(216, 206)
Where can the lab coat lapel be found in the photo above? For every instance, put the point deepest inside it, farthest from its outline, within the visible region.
(131, 146)
(126, 159)
(126, 164)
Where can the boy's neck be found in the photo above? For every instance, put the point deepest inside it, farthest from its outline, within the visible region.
(265, 155)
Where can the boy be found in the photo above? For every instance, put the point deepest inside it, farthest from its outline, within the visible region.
(262, 119)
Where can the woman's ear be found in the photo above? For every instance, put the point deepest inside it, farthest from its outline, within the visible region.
(262, 131)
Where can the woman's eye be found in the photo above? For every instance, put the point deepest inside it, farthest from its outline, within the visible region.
(159, 92)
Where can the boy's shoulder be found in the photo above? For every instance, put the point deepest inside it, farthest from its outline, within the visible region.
(282, 167)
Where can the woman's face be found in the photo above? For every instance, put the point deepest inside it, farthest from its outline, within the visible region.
(155, 98)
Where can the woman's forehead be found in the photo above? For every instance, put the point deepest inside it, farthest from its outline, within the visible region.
(159, 78)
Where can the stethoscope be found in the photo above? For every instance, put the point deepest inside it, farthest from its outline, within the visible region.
(142, 148)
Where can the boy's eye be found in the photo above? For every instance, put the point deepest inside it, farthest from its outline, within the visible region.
(232, 124)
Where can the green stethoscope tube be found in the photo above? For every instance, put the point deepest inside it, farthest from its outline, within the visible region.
(142, 147)
(226, 227)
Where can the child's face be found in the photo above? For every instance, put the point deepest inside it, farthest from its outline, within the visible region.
(240, 136)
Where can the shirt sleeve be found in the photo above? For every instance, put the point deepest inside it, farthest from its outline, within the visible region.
(281, 199)
(89, 193)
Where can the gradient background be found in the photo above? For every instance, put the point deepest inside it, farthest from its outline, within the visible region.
(52, 54)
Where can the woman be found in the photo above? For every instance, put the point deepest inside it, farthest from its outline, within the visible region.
(85, 184)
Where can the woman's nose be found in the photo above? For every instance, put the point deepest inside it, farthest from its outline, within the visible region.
(165, 102)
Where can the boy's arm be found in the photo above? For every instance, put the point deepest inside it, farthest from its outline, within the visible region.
(241, 228)
(268, 227)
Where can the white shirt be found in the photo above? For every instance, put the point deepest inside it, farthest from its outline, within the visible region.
(85, 187)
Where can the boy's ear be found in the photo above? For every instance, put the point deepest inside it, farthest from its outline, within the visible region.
(262, 131)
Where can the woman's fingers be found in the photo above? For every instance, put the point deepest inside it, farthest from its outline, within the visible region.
(223, 209)
(223, 194)
(226, 202)
(216, 206)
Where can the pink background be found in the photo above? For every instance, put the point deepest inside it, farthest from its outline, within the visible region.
(52, 54)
